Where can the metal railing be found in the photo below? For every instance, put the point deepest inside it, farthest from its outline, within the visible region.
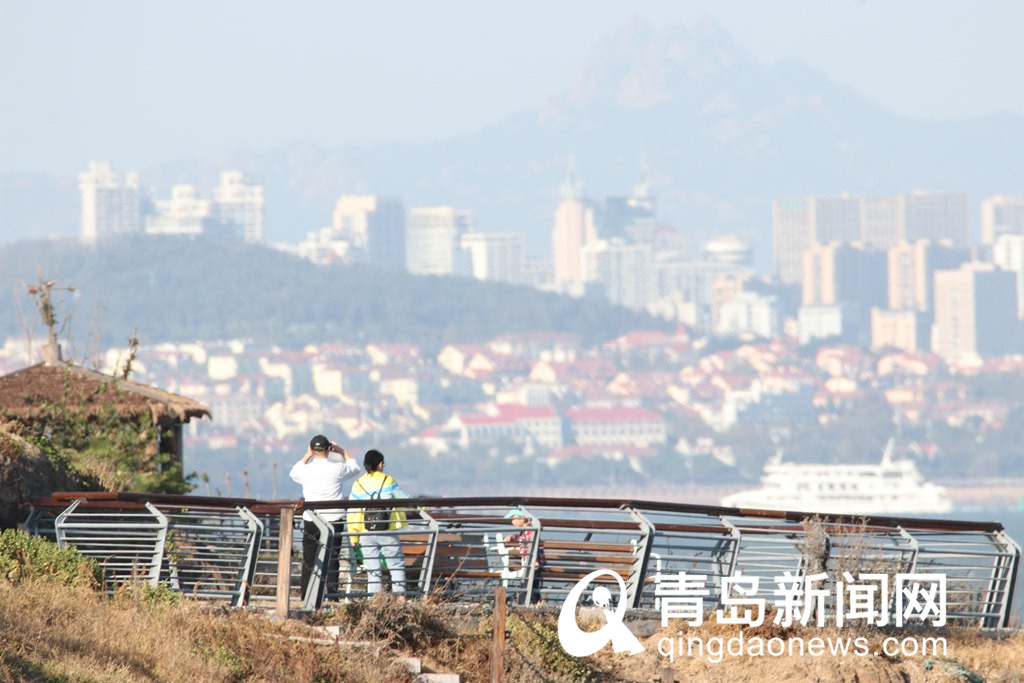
(460, 549)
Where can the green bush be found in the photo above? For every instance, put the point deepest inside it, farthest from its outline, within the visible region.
(26, 557)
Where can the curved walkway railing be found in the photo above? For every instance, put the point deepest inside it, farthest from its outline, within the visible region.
(460, 549)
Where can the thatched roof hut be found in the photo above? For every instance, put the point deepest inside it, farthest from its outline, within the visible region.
(26, 394)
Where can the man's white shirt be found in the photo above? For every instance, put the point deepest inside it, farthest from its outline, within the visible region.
(322, 479)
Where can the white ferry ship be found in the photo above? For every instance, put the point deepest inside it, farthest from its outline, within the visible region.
(892, 487)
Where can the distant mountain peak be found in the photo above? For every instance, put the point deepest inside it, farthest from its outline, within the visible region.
(641, 66)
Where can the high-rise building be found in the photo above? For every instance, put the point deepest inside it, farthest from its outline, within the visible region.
(538, 273)
(574, 229)
(625, 271)
(843, 322)
(907, 329)
(792, 232)
(748, 313)
(837, 219)
(911, 268)
(350, 220)
(632, 217)
(975, 312)
(800, 222)
(495, 256)
(879, 221)
(694, 282)
(385, 234)
(1008, 254)
(1001, 215)
(111, 203)
(185, 213)
(936, 217)
(844, 273)
(432, 236)
(237, 207)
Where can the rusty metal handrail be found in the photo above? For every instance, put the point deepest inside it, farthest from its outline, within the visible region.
(511, 501)
(461, 547)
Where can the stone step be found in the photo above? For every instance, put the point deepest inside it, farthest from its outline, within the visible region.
(437, 678)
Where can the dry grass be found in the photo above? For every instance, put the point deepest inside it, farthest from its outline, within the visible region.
(51, 633)
(971, 656)
(425, 629)
(55, 633)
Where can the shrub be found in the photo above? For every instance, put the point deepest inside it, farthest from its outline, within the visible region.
(26, 557)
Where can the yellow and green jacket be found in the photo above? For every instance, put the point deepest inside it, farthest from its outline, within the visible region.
(375, 485)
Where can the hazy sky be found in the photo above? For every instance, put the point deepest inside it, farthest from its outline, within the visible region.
(139, 82)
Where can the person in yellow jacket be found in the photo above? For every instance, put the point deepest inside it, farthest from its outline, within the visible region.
(373, 525)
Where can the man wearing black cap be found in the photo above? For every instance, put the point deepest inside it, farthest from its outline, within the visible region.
(321, 478)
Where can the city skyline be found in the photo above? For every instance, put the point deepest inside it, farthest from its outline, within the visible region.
(885, 271)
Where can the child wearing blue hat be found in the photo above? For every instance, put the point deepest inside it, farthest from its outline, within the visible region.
(524, 539)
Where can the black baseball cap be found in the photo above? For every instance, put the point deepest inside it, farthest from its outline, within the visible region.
(319, 443)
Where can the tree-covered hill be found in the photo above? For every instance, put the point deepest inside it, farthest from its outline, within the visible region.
(173, 289)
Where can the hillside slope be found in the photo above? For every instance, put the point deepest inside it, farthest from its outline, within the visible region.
(175, 289)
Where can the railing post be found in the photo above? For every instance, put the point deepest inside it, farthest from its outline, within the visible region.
(1013, 565)
(641, 557)
(32, 523)
(284, 561)
(318, 576)
(737, 538)
(58, 524)
(531, 572)
(498, 637)
(428, 563)
(161, 544)
(255, 527)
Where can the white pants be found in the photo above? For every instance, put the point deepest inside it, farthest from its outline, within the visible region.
(376, 547)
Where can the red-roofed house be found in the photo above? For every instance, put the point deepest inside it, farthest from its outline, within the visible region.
(509, 421)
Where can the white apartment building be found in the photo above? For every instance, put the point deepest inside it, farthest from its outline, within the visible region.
(625, 271)
(693, 283)
(238, 202)
(1008, 254)
(1001, 215)
(824, 322)
(351, 218)
(495, 256)
(111, 203)
(364, 228)
(431, 238)
(749, 313)
(185, 213)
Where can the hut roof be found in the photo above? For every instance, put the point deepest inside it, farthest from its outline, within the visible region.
(25, 393)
